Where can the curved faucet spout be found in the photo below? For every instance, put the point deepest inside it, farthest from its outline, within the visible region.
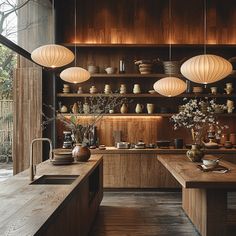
(32, 166)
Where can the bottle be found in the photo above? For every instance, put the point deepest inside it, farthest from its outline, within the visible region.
(121, 67)
(188, 89)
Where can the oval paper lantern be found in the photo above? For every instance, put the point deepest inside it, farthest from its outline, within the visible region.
(206, 69)
(52, 55)
(75, 75)
(170, 86)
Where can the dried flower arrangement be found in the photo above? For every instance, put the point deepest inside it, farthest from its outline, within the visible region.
(199, 116)
(98, 107)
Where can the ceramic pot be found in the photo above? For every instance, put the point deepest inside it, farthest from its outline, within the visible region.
(75, 108)
(63, 109)
(195, 154)
(150, 108)
(124, 108)
(81, 153)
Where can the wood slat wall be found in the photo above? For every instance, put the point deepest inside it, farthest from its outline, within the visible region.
(27, 115)
(149, 129)
(140, 21)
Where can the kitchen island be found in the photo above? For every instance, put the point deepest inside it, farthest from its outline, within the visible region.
(138, 168)
(54, 209)
(204, 194)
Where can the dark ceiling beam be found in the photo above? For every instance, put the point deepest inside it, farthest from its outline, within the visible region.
(14, 47)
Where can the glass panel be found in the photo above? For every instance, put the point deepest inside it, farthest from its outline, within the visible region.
(8, 62)
(26, 23)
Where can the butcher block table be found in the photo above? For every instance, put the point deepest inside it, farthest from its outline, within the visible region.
(204, 194)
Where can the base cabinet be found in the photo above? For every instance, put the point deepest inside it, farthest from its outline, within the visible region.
(136, 171)
(76, 216)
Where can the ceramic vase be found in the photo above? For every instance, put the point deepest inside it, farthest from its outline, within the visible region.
(195, 154)
(81, 153)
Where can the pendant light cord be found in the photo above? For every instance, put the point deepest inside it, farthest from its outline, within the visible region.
(170, 33)
(53, 22)
(205, 26)
(75, 33)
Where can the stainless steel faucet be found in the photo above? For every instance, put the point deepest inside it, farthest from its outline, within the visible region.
(32, 166)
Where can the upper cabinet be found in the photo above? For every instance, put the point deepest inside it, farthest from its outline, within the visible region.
(146, 22)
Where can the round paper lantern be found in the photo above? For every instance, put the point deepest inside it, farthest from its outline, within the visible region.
(206, 69)
(170, 86)
(75, 75)
(52, 55)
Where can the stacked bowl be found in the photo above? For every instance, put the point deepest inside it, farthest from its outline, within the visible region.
(62, 158)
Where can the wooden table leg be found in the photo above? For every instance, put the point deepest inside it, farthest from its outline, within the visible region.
(207, 209)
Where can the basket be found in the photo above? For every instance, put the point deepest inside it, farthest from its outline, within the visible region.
(172, 67)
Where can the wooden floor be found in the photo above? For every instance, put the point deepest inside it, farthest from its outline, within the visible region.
(144, 213)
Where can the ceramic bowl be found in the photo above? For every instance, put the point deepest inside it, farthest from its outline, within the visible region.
(110, 70)
(210, 163)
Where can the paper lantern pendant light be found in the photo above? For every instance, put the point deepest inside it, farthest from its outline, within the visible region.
(206, 69)
(52, 55)
(170, 86)
(75, 75)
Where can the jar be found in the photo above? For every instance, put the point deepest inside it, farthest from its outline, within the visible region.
(67, 141)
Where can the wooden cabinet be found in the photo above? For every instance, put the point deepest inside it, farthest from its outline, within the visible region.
(79, 211)
(136, 171)
(154, 175)
(130, 170)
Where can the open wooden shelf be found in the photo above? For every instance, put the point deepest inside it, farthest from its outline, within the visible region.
(143, 114)
(133, 75)
(127, 45)
(145, 95)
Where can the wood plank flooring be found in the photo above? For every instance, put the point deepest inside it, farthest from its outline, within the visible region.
(145, 214)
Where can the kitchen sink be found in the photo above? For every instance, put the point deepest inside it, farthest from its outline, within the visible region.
(56, 179)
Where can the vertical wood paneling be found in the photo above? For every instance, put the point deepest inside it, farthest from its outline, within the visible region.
(27, 115)
(140, 21)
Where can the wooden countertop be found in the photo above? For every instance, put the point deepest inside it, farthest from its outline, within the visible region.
(25, 208)
(189, 176)
(114, 150)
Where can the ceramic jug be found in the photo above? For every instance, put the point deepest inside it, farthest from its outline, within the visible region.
(139, 108)
(124, 108)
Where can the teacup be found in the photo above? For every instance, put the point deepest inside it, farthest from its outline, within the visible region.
(210, 164)
(110, 70)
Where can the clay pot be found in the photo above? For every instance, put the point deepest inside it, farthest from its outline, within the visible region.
(195, 154)
(81, 153)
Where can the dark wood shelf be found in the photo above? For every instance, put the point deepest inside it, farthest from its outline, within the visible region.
(110, 45)
(144, 95)
(144, 114)
(131, 75)
(126, 114)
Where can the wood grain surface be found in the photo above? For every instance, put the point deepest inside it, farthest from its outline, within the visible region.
(27, 90)
(25, 208)
(146, 22)
(189, 176)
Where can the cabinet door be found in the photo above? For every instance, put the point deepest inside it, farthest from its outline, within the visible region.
(130, 170)
(154, 174)
(112, 171)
